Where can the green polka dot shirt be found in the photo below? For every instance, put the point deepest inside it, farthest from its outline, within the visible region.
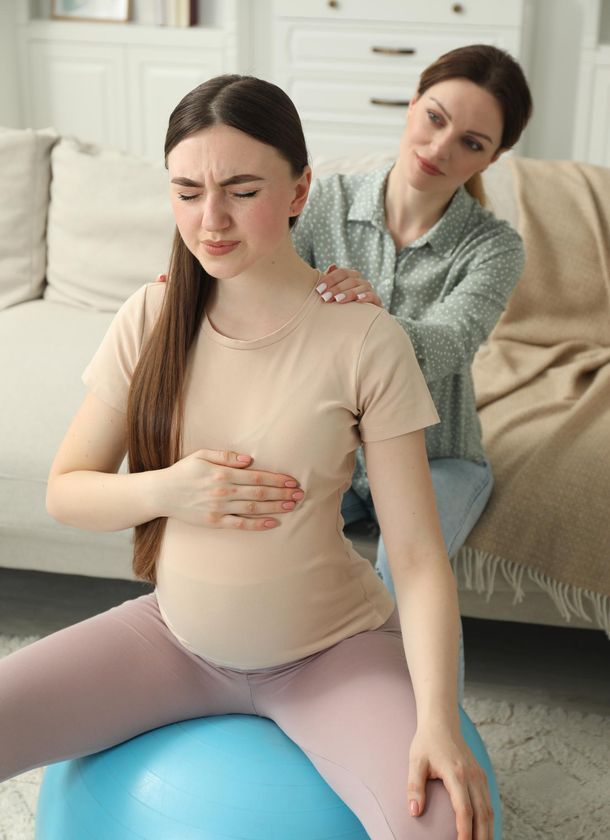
(447, 289)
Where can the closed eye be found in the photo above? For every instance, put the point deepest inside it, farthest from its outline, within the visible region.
(246, 194)
(183, 197)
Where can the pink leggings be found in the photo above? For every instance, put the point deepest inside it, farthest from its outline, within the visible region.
(350, 708)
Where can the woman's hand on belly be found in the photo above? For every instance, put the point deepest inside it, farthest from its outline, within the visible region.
(344, 285)
(217, 490)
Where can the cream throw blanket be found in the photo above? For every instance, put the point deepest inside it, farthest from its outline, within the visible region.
(543, 392)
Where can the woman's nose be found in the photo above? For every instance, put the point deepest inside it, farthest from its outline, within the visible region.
(441, 146)
(215, 216)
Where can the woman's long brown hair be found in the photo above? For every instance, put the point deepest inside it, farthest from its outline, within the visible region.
(496, 72)
(155, 407)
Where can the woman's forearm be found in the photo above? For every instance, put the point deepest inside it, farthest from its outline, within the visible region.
(98, 501)
(429, 616)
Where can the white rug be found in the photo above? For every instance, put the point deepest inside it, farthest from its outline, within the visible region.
(552, 768)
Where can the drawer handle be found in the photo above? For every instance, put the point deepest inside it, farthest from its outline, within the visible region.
(458, 8)
(390, 103)
(393, 50)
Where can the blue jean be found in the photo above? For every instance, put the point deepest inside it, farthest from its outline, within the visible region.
(462, 489)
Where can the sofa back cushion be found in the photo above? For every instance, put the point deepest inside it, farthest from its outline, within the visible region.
(25, 172)
(110, 225)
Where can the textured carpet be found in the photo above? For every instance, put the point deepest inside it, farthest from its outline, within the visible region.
(552, 768)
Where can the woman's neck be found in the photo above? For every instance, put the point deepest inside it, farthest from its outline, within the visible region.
(410, 213)
(261, 299)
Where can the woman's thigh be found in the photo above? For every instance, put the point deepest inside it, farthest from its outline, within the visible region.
(352, 710)
(100, 682)
(462, 489)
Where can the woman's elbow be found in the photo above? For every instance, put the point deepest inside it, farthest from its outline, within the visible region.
(54, 501)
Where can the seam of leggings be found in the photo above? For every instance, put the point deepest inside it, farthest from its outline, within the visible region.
(350, 773)
(256, 711)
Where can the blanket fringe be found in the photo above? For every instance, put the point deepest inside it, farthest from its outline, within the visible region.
(477, 569)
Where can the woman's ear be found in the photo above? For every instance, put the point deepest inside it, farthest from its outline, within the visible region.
(301, 191)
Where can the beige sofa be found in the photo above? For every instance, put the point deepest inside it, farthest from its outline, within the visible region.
(80, 229)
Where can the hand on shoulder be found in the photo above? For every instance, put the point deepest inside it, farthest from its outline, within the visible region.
(344, 285)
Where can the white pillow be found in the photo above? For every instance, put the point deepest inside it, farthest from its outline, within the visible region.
(110, 225)
(25, 172)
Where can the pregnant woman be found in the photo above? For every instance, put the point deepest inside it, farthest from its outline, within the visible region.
(272, 615)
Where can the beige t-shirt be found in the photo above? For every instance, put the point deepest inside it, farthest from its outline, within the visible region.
(299, 400)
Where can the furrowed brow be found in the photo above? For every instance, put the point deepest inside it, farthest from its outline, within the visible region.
(235, 179)
(240, 179)
(186, 182)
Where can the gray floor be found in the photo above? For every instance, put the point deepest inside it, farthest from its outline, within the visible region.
(504, 660)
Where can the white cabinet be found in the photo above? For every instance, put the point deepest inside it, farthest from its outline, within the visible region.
(592, 129)
(78, 87)
(351, 65)
(116, 84)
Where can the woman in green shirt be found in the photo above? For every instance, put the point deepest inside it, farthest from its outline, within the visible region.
(436, 259)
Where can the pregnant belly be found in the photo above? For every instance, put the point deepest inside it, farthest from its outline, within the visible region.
(248, 609)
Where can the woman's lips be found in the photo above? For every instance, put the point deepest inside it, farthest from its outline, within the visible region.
(218, 249)
(427, 167)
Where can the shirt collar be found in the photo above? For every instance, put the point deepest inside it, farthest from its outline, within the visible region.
(443, 237)
(368, 204)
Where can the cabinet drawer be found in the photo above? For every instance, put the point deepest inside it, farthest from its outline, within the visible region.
(369, 50)
(365, 103)
(479, 12)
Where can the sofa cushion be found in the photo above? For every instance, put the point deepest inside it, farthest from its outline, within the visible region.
(25, 173)
(45, 347)
(110, 225)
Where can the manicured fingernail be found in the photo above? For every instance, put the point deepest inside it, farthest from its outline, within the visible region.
(327, 296)
(331, 267)
(270, 523)
(413, 808)
(321, 288)
(288, 505)
(290, 483)
(361, 295)
(298, 495)
(340, 296)
(244, 458)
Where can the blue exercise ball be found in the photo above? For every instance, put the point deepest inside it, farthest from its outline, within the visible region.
(216, 778)
(475, 742)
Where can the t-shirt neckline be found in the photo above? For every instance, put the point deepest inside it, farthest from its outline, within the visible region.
(277, 335)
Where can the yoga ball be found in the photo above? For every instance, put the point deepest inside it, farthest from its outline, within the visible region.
(474, 741)
(216, 778)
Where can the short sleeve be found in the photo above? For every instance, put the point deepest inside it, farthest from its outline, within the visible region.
(393, 398)
(108, 375)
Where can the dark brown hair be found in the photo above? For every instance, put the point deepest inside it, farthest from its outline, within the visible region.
(155, 407)
(496, 72)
